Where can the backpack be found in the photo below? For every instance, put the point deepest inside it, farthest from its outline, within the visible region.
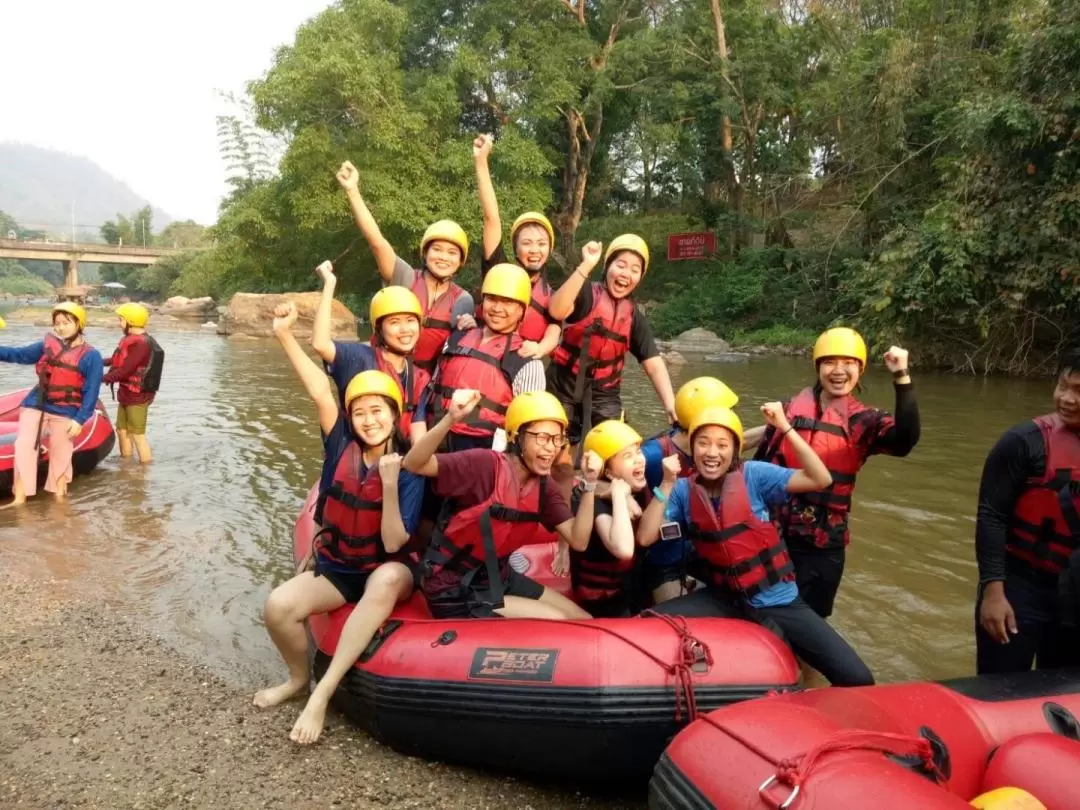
(151, 381)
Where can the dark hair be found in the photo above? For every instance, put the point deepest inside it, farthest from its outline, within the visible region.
(1070, 361)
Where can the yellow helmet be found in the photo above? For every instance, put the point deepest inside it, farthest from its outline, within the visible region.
(533, 218)
(698, 393)
(1007, 798)
(135, 314)
(631, 242)
(715, 415)
(610, 438)
(373, 382)
(533, 406)
(840, 342)
(73, 309)
(446, 230)
(508, 281)
(393, 301)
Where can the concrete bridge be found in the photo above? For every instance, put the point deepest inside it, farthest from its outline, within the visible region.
(70, 254)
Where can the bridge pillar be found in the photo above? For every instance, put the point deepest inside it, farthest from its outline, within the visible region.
(71, 272)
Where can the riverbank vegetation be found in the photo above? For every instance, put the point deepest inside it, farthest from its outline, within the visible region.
(911, 168)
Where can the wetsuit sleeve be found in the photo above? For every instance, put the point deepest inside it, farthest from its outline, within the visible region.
(349, 360)
(498, 256)
(642, 343)
(24, 355)
(92, 370)
(556, 509)
(897, 436)
(582, 304)
(410, 496)
(138, 355)
(531, 377)
(403, 273)
(654, 463)
(468, 475)
(677, 508)
(1018, 455)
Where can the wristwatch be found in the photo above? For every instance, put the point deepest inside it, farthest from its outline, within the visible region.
(588, 487)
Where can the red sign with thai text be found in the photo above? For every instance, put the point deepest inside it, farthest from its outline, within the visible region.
(690, 245)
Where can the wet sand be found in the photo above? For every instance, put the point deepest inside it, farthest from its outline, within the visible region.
(97, 713)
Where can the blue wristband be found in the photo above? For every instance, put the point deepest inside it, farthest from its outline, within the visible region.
(659, 495)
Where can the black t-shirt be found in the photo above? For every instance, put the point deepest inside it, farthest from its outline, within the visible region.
(642, 343)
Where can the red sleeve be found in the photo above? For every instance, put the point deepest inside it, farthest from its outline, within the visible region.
(138, 355)
(467, 476)
(556, 510)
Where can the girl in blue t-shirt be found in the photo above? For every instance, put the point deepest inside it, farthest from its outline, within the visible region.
(724, 510)
(367, 513)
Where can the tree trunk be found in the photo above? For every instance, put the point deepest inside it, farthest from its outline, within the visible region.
(731, 176)
(582, 146)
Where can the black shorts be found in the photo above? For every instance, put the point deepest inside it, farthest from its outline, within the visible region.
(351, 584)
(818, 573)
(613, 607)
(653, 576)
(604, 404)
(448, 600)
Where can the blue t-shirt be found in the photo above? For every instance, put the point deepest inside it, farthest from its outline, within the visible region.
(352, 358)
(90, 366)
(410, 486)
(766, 485)
(671, 552)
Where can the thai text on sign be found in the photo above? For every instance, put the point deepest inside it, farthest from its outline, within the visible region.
(690, 245)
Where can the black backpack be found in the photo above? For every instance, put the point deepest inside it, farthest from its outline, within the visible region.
(151, 381)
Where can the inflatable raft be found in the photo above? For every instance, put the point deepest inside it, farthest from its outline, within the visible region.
(92, 445)
(583, 701)
(931, 746)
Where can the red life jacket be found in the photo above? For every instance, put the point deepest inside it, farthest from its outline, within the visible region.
(602, 336)
(739, 551)
(416, 380)
(350, 512)
(1045, 526)
(58, 371)
(536, 320)
(666, 441)
(489, 368)
(820, 519)
(134, 384)
(437, 323)
(482, 537)
(596, 573)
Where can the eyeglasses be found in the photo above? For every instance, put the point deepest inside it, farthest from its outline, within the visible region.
(545, 439)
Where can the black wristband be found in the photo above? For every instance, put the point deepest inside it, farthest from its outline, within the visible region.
(900, 373)
(786, 432)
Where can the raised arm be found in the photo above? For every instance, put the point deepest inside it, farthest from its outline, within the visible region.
(392, 527)
(814, 475)
(562, 301)
(321, 340)
(648, 531)
(752, 438)
(581, 532)
(656, 370)
(385, 257)
(420, 460)
(617, 532)
(489, 203)
(316, 383)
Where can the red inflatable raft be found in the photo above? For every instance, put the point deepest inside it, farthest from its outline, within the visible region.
(91, 446)
(931, 746)
(588, 701)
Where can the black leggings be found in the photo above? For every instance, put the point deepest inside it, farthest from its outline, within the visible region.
(809, 635)
(1042, 638)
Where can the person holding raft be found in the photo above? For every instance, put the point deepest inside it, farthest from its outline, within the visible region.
(602, 324)
(500, 499)
(723, 507)
(844, 433)
(366, 515)
(443, 251)
(532, 238)
(602, 555)
(69, 374)
(395, 316)
(1027, 539)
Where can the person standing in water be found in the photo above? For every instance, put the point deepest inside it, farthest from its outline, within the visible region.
(1027, 539)
(366, 515)
(136, 367)
(532, 239)
(844, 433)
(69, 378)
(444, 249)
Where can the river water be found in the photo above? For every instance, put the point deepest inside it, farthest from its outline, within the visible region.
(193, 543)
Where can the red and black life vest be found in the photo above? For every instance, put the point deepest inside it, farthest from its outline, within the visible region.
(666, 441)
(437, 323)
(602, 337)
(350, 513)
(820, 519)
(596, 573)
(132, 385)
(488, 367)
(58, 371)
(482, 537)
(738, 551)
(537, 318)
(416, 380)
(1045, 527)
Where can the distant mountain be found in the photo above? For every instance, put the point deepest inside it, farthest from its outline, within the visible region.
(38, 186)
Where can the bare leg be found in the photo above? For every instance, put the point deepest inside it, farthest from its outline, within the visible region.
(124, 438)
(569, 609)
(61, 490)
(286, 609)
(668, 591)
(17, 491)
(389, 584)
(518, 607)
(142, 446)
(811, 678)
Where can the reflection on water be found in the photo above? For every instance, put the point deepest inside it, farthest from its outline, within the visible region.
(194, 542)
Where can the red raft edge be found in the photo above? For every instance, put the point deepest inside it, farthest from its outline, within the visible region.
(587, 702)
(729, 758)
(92, 445)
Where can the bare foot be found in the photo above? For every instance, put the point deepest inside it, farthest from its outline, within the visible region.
(16, 502)
(309, 724)
(265, 698)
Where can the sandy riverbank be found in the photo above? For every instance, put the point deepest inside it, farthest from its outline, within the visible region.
(97, 713)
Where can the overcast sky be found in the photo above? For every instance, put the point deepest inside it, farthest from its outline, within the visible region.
(132, 84)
